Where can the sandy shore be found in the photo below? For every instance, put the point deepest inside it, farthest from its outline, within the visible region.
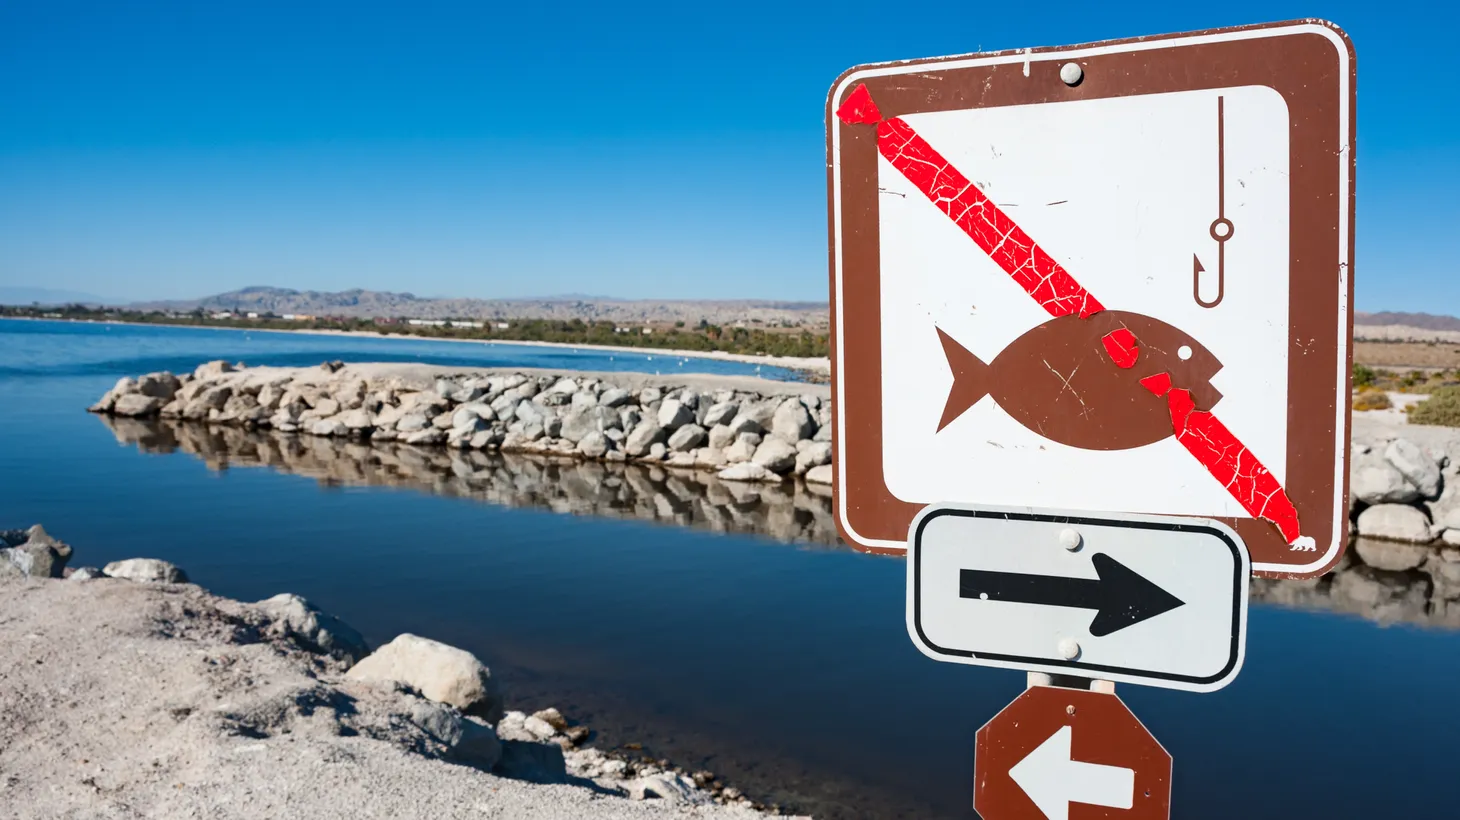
(128, 697)
(813, 364)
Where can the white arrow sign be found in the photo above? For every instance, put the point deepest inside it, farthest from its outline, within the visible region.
(1154, 600)
(1054, 780)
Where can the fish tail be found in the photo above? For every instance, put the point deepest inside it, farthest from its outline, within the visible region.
(971, 379)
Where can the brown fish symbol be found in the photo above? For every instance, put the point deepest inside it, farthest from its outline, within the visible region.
(1058, 380)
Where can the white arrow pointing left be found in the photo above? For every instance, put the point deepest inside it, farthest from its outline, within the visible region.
(1053, 780)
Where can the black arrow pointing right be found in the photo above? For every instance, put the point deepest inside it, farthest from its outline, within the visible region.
(1120, 597)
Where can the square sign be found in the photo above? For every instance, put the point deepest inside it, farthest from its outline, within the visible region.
(1112, 277)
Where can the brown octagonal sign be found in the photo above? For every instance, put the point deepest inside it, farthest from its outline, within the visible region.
(1112, 277)
(1069, 754)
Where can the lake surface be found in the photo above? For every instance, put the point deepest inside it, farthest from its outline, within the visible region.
(718, 630)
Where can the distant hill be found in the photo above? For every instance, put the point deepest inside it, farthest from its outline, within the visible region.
(370, 303)
(1422, 321)
(49, 296)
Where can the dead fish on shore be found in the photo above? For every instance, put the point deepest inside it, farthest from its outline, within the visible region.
(1058, 380)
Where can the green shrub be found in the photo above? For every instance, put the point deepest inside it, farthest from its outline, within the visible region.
(1363, 375)
(1442, 408)
(1372, 400)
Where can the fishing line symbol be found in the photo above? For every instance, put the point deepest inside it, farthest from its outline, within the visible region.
(1221, 229)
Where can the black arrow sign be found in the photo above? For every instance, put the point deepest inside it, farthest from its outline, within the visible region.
(1120, 597)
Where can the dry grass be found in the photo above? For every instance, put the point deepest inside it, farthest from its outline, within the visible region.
(1407, 354)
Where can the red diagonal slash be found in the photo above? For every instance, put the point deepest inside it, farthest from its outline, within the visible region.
(1048, 283)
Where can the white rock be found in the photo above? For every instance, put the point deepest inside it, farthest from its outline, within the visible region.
(136, 405)
(614, 397)
(146, 570)
(1375, 481)
(791, 422)
(776, 455)
(672, 789)
(742, 450)
(442, 673)
(657, 450)
(292, 615)
(686, 438)
(721, 436)
(593, 445)
(814, 454)
(427, 436)
(358, 419)
(1418, 467)
(745, 471)
(329, 427)
(721, 413)
(673, 414)
(643, 437)
(1398, 522)
(1451, 536)
(411, 422)
(819, 475)
(539, 728)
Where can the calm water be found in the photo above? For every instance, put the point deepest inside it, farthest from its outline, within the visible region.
(782, 666)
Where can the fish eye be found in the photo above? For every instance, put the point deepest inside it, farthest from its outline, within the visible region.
(1183, 352)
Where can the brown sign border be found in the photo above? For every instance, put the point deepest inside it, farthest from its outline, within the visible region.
(1305, 70)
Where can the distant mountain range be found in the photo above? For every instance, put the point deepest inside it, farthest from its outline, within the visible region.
(1423, 321)
(370, 303)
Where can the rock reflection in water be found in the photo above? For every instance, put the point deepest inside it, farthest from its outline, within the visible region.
(1428, 594)
(791, 512)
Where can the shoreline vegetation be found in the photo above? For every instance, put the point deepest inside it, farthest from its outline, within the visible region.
(198, 703)
(793, 348)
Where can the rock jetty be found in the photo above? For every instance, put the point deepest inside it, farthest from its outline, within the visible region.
(747, 430)
(129, 691)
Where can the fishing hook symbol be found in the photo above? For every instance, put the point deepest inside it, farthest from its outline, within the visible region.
(1221, 229)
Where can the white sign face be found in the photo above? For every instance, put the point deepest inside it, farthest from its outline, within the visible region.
(1160, 601)
(1123, 192)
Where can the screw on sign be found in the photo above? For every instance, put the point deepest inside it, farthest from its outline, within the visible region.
(1069, 754)
(1115, 276)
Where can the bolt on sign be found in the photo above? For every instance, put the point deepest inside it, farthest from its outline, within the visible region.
(1058, 754)
(1110, 277)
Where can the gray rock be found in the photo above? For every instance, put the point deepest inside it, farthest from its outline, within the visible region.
(324, 408)
(428, 436)
(745, 423)
(629, 418)
(532, 761)
(657, 450)
(1391, 555)
(86, 574)
(819, 475)
(329, 427)
(442, 673)
(146, 570)
(671, 788)
(1416, 466)
(479, 745)
(212, 369)
(442, 421)
(686, 438)
(292, 616)
(412, 422)
(776, 455)
(162, 385)
(721, 413)
(539, 728)
(1451, 536)
(461, 417)
(742, 450)
(553, 399)
(529, 412)
(1376, 481)
(584, 398)
(445, 387)
(649, 395)
(673, 415)
(815, 454)
(485, 439)
(614, 397)
(580, 422)
(593, 445)
(37, 558)
(1398, 522)
(745, 471)
(643, 437)
(136, 405)
(823, 433)
(791, 422)
(565, 386)
(358, 419)
(721, 436)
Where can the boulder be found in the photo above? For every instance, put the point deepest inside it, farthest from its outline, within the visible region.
(411, 422)
(791, 422)
(539, 728)
(657, 450)
(85, 574)
(670, 788)
(442, 673)
(466, 412)
(212, 369)
(649, 395)
(614, 397)
(776, 455)
(744, 423)
(358, 419)
(1391, 555)
(136, 405)
(642, 438)
(292, 616)
(746, 471)
(38, 557)
(686, 438)
(721, 413)
(584, 398)
(529, 412)
(442, 421)
(823, 433)
(428, 436)
(1397, 522)
(815, 454)
(162, 385)
(1376, 481)
(578, 423)
(479, 745)
(146, 570)
(566, 386)
(593, 445)
(1417, 467)
(721, 436)
(329, 427)
(743, 449)
(673, 414)
(819, 475)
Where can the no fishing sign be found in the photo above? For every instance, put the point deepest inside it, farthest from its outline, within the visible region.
(1113, 278)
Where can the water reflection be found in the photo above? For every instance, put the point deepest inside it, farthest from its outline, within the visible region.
(1427, 595)
(796, 513)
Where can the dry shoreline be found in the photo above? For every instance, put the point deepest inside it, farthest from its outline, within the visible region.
(821, 365)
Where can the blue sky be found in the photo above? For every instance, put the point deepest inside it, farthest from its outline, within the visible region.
(162, 150)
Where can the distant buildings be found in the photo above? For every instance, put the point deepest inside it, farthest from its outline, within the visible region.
(298, 317)
(253, 314)
(503, 325)
(466, 324)
(426, 322)
(223, 314)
